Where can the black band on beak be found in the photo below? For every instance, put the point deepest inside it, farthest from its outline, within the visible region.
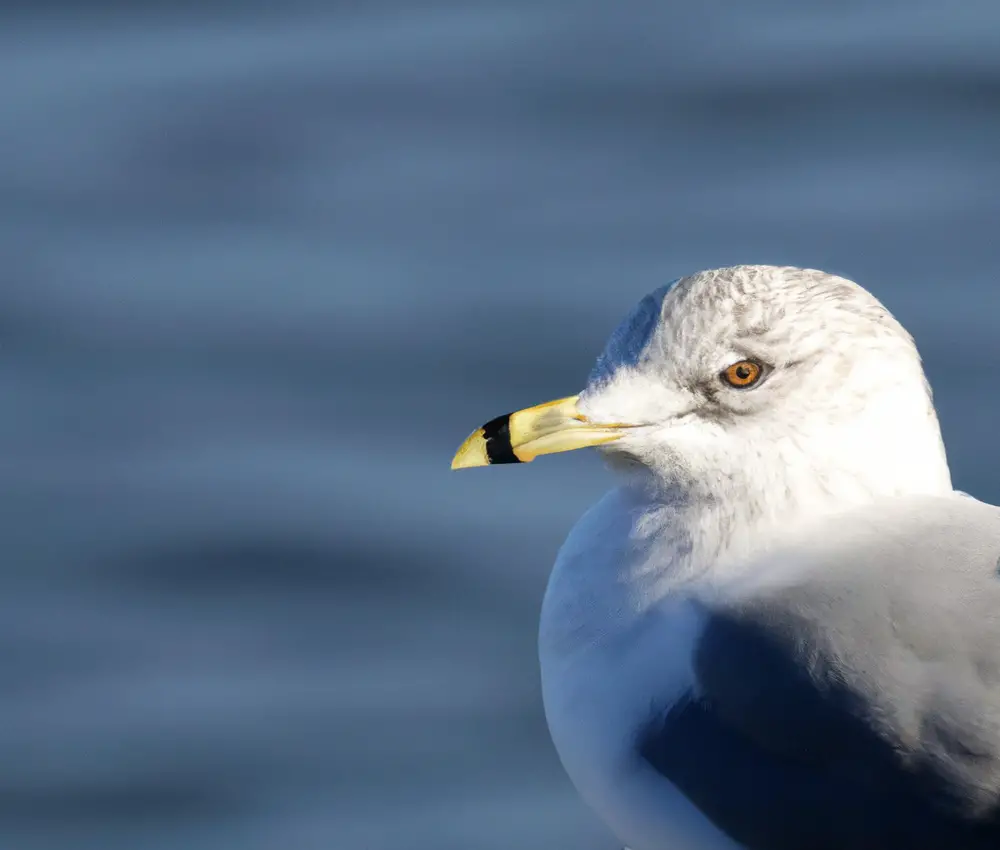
(496, 433)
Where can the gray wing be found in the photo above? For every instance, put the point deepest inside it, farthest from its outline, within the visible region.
(853, 701)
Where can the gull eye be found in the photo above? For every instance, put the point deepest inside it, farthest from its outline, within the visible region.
(742, 374)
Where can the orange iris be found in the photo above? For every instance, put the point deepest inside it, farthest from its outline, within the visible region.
(743, 374)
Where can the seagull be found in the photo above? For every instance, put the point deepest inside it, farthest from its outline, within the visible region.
(781, 629)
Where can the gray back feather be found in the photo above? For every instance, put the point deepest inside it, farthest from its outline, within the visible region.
(897, 614)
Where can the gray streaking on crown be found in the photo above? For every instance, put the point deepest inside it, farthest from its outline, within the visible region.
(782, 629)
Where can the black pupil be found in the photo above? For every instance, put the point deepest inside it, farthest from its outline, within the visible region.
(743, 372)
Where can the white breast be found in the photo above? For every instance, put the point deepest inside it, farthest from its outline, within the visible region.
(615, 648)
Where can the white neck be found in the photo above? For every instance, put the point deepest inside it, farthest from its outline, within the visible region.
(743, 496)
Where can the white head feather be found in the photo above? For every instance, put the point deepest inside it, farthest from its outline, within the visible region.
(842, 415)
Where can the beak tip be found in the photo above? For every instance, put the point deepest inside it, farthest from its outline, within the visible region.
(458, 462)
(472, 452)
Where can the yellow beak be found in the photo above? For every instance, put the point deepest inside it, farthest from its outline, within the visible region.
(556, 426)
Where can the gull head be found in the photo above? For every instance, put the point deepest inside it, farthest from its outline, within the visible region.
(749, 377)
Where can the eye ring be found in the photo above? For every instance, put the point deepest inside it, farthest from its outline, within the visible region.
(742, 374)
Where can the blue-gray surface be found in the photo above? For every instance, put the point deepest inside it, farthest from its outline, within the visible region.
(262, 272)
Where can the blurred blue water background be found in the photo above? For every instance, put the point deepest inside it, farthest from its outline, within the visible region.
(264, 267)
